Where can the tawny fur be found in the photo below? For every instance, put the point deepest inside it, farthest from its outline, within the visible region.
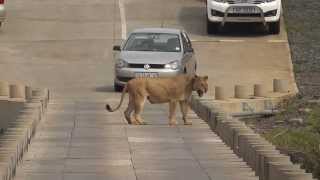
(170, 90)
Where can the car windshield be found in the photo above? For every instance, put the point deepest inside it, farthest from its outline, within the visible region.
(161, 42)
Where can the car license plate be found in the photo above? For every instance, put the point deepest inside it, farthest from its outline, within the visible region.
(244, 10)
(146, 75)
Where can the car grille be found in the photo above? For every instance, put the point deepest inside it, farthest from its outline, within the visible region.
(124, 79)
(245, 1)
(243, 15)
(152, 66)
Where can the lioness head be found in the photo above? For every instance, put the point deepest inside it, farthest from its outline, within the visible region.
(200, 84)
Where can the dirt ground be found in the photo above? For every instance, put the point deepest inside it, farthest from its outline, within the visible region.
(302, 20)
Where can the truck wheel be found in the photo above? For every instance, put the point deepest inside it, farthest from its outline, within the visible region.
(274, 27)
(117, 87)
(212, 27)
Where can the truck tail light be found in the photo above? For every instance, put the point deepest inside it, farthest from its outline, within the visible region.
(1, 1)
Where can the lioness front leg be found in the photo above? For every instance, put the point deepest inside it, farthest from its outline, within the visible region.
(184, 107)
(138, 107)
(172, 113)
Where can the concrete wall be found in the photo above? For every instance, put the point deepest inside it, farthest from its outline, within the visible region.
(260, 155)
(21, 108)
(12, 99)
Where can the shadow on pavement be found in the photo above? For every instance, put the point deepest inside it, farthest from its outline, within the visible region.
(104, 89)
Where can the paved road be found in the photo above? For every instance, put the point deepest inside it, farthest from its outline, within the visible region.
(79, 140)
(66, 46)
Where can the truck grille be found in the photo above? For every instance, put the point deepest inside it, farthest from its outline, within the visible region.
(152, 66)
(243, 15)
(245, 1)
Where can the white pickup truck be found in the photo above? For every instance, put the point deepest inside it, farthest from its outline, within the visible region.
(2, 12)
(220, 12)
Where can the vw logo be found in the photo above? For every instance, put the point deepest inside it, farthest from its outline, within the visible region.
(146, 66)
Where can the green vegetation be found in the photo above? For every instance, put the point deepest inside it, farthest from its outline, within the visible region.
(301, 142)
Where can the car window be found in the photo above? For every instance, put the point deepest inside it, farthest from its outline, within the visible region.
(186, 41)
(162, 42)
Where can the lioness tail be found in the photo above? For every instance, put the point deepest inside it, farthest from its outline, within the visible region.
(108, 107)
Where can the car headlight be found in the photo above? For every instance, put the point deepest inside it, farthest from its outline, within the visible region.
(121, 63)
(172, 65)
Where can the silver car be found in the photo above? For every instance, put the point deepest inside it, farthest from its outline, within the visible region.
(2, 12)
(153, 52)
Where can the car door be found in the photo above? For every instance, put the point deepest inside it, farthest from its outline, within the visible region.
(189, 54)
(186, 55)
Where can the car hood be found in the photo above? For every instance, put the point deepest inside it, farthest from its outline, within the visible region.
(145, 57)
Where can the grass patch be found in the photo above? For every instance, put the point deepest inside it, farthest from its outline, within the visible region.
(300, 141)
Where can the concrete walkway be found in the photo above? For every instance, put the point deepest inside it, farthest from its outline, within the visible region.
(80, 140)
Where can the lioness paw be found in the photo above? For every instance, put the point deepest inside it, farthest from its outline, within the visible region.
(173, 123)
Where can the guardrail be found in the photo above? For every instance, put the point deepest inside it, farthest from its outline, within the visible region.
(21, 108)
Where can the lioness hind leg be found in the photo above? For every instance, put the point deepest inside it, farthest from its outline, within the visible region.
(184, 107)
(138, 107)
(172, 113)
(128, 111)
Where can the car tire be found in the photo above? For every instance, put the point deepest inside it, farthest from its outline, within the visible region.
(212, 27)
(117, 87)
(274, 27)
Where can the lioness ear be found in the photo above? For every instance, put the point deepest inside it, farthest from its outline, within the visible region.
(205, 78)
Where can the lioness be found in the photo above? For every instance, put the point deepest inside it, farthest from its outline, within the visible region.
(161, 90)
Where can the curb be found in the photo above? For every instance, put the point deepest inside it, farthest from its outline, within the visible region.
(267, 162)
(16, 138)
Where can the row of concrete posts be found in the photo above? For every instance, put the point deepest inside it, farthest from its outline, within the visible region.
(12, 98)
(259, 90)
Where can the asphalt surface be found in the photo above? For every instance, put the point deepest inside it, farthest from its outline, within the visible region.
(66, 46)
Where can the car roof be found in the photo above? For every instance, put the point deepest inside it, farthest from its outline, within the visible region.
(157, 30)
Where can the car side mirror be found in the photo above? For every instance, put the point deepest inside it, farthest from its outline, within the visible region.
(116, 48)
(190, 49)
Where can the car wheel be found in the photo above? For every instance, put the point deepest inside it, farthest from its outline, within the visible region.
(212, 27)
(274, 27)
(117, 87)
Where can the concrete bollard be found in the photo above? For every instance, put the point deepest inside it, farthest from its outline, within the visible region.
(298, 176)
(260, 90)
(4, 89)
(37, 92)
(220, 93)
(16, 101)
(4, 104)
(28, 93)
(242, 92)
(17, 91)
(281, 85)
(4, 112)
